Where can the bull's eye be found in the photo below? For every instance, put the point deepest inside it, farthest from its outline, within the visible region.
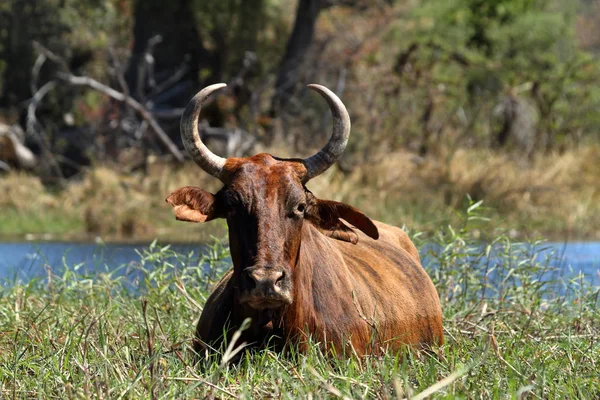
(298, 211)
(300, 208)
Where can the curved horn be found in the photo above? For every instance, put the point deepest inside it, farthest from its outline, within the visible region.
(206, 159)
(320, 162)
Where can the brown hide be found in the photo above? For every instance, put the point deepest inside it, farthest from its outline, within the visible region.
(373, 294)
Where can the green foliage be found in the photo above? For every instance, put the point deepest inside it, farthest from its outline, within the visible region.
(96, 25)
(474, 54)
(77, 31)
(236, 27)
(14, 223)
(125, 333)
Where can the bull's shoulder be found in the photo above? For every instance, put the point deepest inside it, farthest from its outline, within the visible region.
(397, 236)
(223, 291)
(216, 312)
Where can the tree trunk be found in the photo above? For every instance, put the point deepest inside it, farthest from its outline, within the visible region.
(22, 23)
(179, 45)
(296, 49)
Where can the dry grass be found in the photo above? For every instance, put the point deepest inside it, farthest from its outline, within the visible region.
(24, 192)
(553, 195)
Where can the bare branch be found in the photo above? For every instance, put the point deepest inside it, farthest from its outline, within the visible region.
(131, 102)
(119, 74)
(170, 81)
(57, 59)
(35, 72)
(170, 113)
(32, 121)
(146, 65)
(68, 77)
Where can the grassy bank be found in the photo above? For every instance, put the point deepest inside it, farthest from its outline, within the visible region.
(77, 336)
(554, 196)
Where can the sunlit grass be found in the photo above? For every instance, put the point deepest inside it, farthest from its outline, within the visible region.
(14, 223)
(514, 328)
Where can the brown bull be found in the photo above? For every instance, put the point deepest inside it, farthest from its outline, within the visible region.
(298, 269)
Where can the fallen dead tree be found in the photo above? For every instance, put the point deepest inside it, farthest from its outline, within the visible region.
(139, 114)
(68, 77)
(13, 152)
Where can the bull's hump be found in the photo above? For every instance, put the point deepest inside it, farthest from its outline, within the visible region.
(263, 159)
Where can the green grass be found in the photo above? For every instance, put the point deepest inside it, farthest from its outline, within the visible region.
(70, 335)
(14, 223)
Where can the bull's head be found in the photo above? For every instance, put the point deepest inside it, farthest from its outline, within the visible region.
(266, 204)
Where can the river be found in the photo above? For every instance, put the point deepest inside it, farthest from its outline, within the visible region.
(26, 260)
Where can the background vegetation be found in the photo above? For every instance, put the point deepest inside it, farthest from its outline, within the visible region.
(495, 99)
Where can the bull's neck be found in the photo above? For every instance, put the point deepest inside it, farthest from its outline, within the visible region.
(318, 262)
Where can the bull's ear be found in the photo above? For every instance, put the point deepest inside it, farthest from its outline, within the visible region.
(326, 215)
(193, 204)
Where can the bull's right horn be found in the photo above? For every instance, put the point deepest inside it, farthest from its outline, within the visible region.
(206, 159)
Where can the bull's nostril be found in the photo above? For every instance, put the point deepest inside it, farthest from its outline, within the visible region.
(280, 279)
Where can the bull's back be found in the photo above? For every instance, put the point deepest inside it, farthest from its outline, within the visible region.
(393, 290)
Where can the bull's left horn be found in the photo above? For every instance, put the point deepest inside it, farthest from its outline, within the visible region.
(206, 159)
(326, 157)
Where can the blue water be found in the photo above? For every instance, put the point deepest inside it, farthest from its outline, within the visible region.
(27, 260)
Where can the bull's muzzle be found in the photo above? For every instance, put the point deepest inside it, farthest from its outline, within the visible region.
(267, 288)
